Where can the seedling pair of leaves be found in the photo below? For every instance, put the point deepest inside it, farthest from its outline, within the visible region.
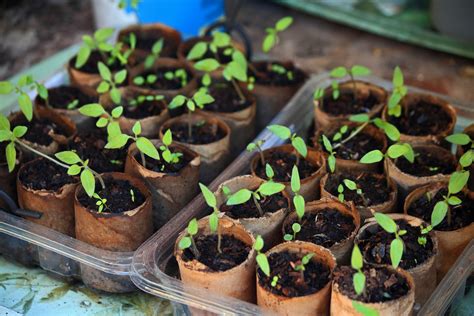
(145, 98)
(110, 82)
(99, 41)
(397, 245)
(105, 119)
(350, 185)
(257, 146)
(188, 240)
(279, 69)
(398, 93)
(118, 53)
(211, 201)
(220, 40)
(298, 203)
(341, 72)
(155, 53)
(297, 142)
(461, 139)
(271, 39)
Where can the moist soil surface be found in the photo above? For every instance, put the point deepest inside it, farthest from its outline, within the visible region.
(461, 215)
(226, 99)
(164, 167)
(266, 76)
(293, 283)
(202, 133)
(161, 82)
(324, 228)
(233, 252)
(39, 130)
(118, 194)
(63, 96)
(269, 204)
(375, 189)
(282, 164)
(91, 65)
(427, 163)
(345, 103)
(143, 110)
(375, 245)
(382, 284)
(422, 118)
(43, 174)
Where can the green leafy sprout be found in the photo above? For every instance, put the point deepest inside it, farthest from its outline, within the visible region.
(279, 69)
(105, 119)
(110, 82)
(262, 260)
(99, 42)
(145, 98)
(211, 201)
(296, 228)
(188, 240)
(352, 186)
(297, 142)
(132, 3)
(302, 266)
(341, 72)
(331, 153)
(398, 93)
(155, 54)
(179, 74)
(101, 203)
(357, 264)
(397, 245)
(257, 146)
(298, 199)
(73, 104)
(169, 156)
(271, 38)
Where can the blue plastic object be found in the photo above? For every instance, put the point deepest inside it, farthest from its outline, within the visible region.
(187, 16)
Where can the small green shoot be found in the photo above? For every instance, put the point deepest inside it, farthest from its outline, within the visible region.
(73, 104)
(341, 72)
(188, 240)
(132, 195)
(298, 199)
(101, 203)
(96, 42)
(166, 152)
(155, 54)
(331, 153)
(211, 201)
(297, 142)
(397, 245)
(279, 69)
(296, 228)
(262, 260)
(399, 91)
(110, 82)
(357, 264)
(257, 146)
(352, 186)
(105, 119)
(145, 98)
(179, 74)
(272, 39)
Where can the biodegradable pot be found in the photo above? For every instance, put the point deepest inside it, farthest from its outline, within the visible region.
(85, 81)
(120, 232)
(268, 226)
(341, 305)
(214, 156)
(450, 243)
(407, 182)
(238, 282)
(161, 63)
(424, 275)
(459, 152)
(412, 99)
(150, 125)
(324, 119)
(344, 165)
(312, 304)
(341, 250)
(309, 185)
(365, 212)
(170, 192)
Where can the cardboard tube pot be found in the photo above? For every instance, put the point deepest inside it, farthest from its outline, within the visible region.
(407, 182)
(413, 99)
(424, 274)
(165, 63)
(342, 249)
(450, 243)
(87, 82)
(170, 192)
(268, 226)
(214, 156)
(341, 304)
(324, 119)
(150, 124)
(389, 206)
(345, 165)
(312, 304)
(309, 185)
(121, 232)
(459, 152)
(237, 282)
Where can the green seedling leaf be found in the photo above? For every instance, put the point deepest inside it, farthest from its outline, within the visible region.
(137, 128)
(397, 77)
(358, 70)
(454, 200)
(359, 282)
(298, 201)
(103, 34)
(177, 102)
(339, 72)
(115, 95)
(439, 213)
(396, 251)
(92, 110)
(396, 150)
(117, 141)
(68, 157)
(26, 106)
(466, 159)
(457, 181)
(120, 76)
(262, 262)
(157, 47)
(104, 71)
(19, 131)
(318, 94)
(280, 131)
(6, 87)
(193, 227)
(269, 171)
(207, 65)
(300, 146)
(359, 118)
(208, 196)
(201, 97)
(295, 180)
(198, 50)
(88, 182)
(372, 157)
(167, 137)
(351, 185)
(117, 112)
(269, 42)
(185, 243)
(4, 123)
(332, 163)
(239, 197)
(213, 222)
(459, 139)
(270, 188)
(258, 245)
(386, 222)
(296, 228)
(82, 56)
(103, 87)
(356, 258)
(283, 23)
(73, 170)
(10, 153)
(220, 39)
(364, 310)
(327, 144)
(147, 147)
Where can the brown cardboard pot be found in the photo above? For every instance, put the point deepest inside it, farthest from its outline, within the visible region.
(238, 282)
(161, 63)
(85, 81)
(341, 250)
(123, 232)
(214, 156)
(389, 206)
(344, 165)
(150, 125)
(309, 185)
(312, 304)
(341, 305)
(459, 152)
(407, 182)
(323, 119)
(268, 226)
(450, 243)
(424, 274)
(170, 192)
(412, 99)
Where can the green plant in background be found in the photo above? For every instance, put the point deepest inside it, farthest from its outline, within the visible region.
(261, 258)
(145, 98)
(297, 142)
(357, 263)
(211, 201)
(266, 189)
(109, 83)
(101, 203)
(179, 74)
(271, 39)
(341, 72)
(73, 104)
(350, 185)
(105, 119)
(120, 53)
(460, 139)
(96, 42)
(257, 146)
(166, 153)
(399, 91)
(397, 245)
(188, 240)
(155, 53)
(148, 79)
(298, 199)
(279, 69)
(296, 228)
(132, 3)
(331, 153)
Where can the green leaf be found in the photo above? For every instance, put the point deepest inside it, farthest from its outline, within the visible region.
(459, 139)
(269, 42)
(364, 310)
(457, 181)
(115, 95)
(113, 129)
(351, 185)
(327, 144)
(68, 157)
(270, 188)
(262, 262)
(467, 158)
(358, 70)
(338, 72)
(386, 222)
(167, 137)
(396, 150)
(4, 123)
(236, 71)
(300, 146)
(372, 157)
(288, 237)
(454, 200)
(396, 251)
(359, 118)
(10, 153)
(295, 180)
(356, 258)
(147, 147)
(177, 102)
(82, 56)
(409, 154)
(184, 243)
(26, 106)
(239, 58)
(74, 170)
(394, 100)
(198, 50)
(137, 128)
(104, 71)
(439, 213)
(120, 76)
(193, 227)
(220, 39)
(298, 201)
(5, 135)
(296, 227)
(258, 245)
(239, 197)
(213, 222)
(88, 182)
(117, 141)
(157, 47)
(282, 132)
(42, 91)
(190, 105)
(103, 87)
(359, 282)
(201, 98)
(269, 171)
(6, 87)
(138, 81)
(103, 34)
(397, 77)
(117, 112)
(283, 23)
(332, 163)
(92, 110)
(207, 65)
(208, 196)
(318, 94)
(19, 131)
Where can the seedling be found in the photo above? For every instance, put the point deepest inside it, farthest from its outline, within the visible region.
(132, 195)
(272, 39)
(101, 203)
(120, 53)
(266, 189)
(274, 280)
(166, 152)
(96, 42)
(298, 199)
(357, 264)
(145, 98)
(220, 40)
(297, 142)
(257, 146)
(350, 185)
(465, 161)
(188, 240)
(109, 83)
(302, 266)
(396, 246)
(399, 91)
(341, 72)
(155, 54)
(179, 74)
(331, 153)
(296, 228)
(279, 69)
(73, 104)
(149, 80)
(261, 258)
(318, 96)
(395, 151)
(106, 119)
(211, 201)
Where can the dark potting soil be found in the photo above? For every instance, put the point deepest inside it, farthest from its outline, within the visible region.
(164, 167)
(325, 228)
(282, 164)
(39, 130)
(63, 96)
(381, 284)
(375, 189)
(226, 99)
(118, 194)
(91, 65)
(293, 283)
(356, 147)
(345, 104)
(269, 204)
(233, 252)
(462, 215)
(266, 76)
(3, 155)
(427, 163)
(43, 174)
(143, 110)
(161, 82)
(375, 245)
(422, 118)
(202, 133)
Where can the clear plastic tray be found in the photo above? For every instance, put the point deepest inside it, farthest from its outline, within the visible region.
(154, 268)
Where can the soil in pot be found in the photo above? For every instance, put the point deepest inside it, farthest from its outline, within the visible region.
(290, 282)
(265, 75)
(91, 64)
(345, 104)
(40, 129)
(45, 175)
(282, 164)
(427, 163)
(202, 133)
(162, 83)
(143, 110)
(375, 245)
(226, 99)
(269, 204)
(325, 228)
(162, 166)
(68, 98)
